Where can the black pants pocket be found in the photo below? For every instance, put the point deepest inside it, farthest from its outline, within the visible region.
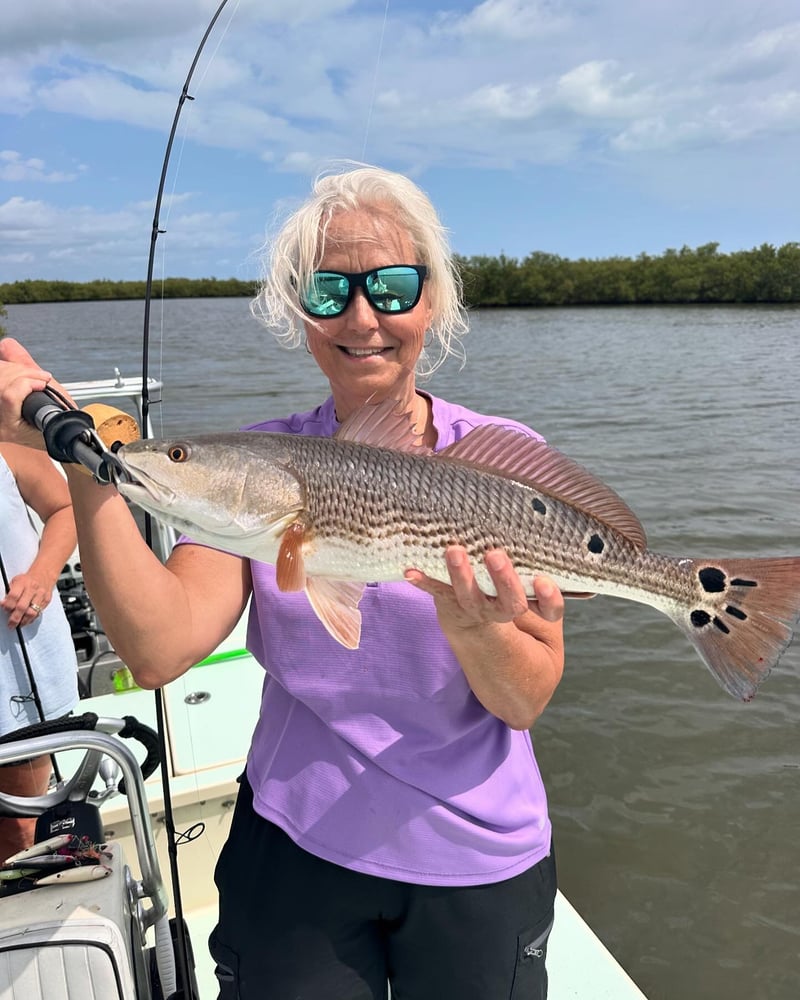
(530, 975)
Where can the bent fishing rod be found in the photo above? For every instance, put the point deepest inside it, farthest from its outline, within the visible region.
(156, 230)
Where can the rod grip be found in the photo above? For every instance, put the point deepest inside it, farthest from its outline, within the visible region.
(37, 407)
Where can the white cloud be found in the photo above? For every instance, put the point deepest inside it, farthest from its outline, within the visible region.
(38, 24)
(299, 161)
(30, 222)
(505, 101)
(453, 82)
(781, 110)
(505, 85)
(599, 89)
(715, 125)
(514, 20)
(17, 258)
(649, 134)
(104, 97)
(36, 231)
(14, 169)
(765, 55)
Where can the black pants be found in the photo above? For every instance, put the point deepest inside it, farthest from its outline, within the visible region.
(295, 927)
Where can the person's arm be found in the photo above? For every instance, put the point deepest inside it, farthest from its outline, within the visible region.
(43, 489)
(512, 653)
(161, 619)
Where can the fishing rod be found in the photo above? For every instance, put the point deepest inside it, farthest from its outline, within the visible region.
(156, 230)
(71, 436)
(183, 950)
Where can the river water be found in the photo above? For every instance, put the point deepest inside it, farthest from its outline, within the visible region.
(676, 809)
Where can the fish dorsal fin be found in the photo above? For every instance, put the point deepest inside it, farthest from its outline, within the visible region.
(383, 424)
(507, 452)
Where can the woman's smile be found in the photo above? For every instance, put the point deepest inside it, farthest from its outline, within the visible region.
(364, 352)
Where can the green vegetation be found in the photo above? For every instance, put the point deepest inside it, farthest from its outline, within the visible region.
(2, 314)
(685, 276)
(40, 290)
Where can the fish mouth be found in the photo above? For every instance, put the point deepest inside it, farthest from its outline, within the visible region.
(138, 486)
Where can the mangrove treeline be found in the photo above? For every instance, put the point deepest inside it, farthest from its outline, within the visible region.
(685, 276)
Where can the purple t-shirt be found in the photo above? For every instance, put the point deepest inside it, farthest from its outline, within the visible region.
(381, 759)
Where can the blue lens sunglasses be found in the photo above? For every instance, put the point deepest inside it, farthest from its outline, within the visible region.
(394, 289)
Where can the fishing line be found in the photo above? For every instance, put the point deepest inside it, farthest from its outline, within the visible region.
(375, 81)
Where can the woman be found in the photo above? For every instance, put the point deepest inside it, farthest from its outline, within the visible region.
(36, 624)
(392, 822)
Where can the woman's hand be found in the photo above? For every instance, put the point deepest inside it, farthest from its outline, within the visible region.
(463, 605)
(42, 487)
(26, 599)
(510, 647)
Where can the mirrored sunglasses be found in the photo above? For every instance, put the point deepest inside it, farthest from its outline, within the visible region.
(394, 289)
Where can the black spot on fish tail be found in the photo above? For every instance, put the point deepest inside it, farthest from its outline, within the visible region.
(596, 544)
(539, 506)
(745, 615)
(712, 579)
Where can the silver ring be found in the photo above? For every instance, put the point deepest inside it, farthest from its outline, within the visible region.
(35, 607)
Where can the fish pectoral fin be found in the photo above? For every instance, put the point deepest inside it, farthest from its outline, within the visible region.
(335, 603)
(290, 569)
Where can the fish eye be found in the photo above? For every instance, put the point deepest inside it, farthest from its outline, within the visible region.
(178, 452)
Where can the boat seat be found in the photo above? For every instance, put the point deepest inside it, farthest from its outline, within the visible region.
(70, 941)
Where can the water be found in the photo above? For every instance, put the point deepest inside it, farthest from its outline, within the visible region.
(676, 809)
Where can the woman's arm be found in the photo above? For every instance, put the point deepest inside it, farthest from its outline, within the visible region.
(161, 619)
(43, 489)
(511, 652)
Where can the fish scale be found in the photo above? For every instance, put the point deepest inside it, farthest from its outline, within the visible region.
(419, 508)
(336, 513)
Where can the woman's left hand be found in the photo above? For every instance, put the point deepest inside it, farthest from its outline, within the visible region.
(510, 647)
(463, 605)
(26, 599)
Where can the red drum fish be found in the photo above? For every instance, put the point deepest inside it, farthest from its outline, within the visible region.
(333, 514)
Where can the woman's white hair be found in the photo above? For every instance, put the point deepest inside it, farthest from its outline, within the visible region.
(294, 254)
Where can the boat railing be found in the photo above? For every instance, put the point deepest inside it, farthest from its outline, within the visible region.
(149, 890)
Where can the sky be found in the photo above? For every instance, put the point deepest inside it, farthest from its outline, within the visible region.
(583, 128)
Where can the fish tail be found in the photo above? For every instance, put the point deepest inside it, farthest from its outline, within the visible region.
(744, 617)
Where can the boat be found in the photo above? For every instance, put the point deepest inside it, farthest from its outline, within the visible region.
(207, 716)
